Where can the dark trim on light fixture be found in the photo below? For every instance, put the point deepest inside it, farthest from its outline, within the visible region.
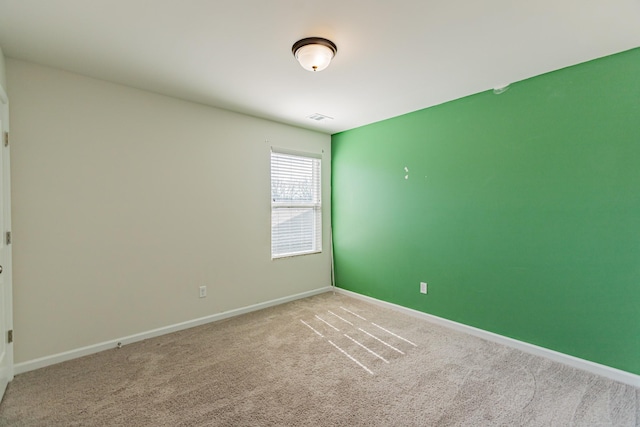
(314, 40)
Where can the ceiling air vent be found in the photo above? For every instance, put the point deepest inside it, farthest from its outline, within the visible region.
(319, 117)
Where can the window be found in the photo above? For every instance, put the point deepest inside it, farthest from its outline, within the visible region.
(296, 208)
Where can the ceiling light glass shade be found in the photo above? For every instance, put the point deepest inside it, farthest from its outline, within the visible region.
(314, 53)
(314, 57)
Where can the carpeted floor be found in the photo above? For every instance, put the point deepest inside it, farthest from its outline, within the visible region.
(328, 360)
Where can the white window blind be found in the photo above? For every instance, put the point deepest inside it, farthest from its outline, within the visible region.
(296, 207)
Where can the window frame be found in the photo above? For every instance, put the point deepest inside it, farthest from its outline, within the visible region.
(315, 205)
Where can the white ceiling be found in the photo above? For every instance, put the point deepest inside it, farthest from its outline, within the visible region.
(394, 56)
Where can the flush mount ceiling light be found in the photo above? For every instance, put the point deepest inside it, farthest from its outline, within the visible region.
(314, 53)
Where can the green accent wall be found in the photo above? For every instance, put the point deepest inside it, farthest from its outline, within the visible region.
(520, 210)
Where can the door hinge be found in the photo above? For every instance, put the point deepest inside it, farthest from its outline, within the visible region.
(6, 139)
(10, 336)
(7, 238)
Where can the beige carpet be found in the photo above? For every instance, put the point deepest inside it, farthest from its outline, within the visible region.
(329, 360)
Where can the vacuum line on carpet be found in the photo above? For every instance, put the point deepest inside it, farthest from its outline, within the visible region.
(351, 312)
(385, 343)
(368, 349)
(311, 327)
(341, 318)
(395, 335)
(322, 320)
(351, 357)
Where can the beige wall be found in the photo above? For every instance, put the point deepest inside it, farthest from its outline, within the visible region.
(125, 202)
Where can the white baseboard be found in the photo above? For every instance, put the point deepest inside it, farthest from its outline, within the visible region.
(41, 362)
(586, 365)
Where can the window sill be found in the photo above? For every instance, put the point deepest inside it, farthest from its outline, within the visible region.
(297, 254)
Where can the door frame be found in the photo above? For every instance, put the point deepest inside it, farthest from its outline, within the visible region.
(6, 227)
